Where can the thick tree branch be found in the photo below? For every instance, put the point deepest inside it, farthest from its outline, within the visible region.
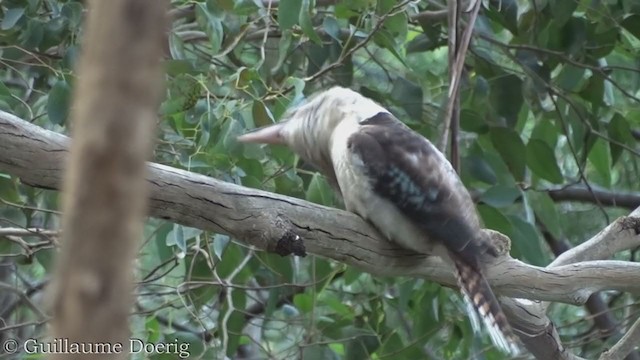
(262, 219)
(620, 235)
(605, 197)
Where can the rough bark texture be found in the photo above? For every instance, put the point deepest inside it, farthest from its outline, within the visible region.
(104, 202)
(270, 221)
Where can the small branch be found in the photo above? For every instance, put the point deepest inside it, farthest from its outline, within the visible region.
(451, 116)
(620, 235)
(626, 344)
(24, 299)
(29, 292)
(605, 197)
(275, 3)
(29, 232)
(430, 16)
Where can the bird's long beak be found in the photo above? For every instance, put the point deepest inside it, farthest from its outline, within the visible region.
(271, 134)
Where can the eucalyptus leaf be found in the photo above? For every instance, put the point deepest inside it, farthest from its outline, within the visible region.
(511, 148)
(58, 102)
(542, 161)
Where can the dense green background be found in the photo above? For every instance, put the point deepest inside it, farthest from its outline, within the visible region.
(549, 99)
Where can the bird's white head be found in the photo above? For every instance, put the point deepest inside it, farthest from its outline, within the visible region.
(309, 128)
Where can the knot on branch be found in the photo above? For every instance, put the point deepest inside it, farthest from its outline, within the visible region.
(630, 223)
(288, 242)
(499, 241)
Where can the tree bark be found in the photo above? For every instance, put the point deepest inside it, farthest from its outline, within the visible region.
(269, 221)
(105, 193)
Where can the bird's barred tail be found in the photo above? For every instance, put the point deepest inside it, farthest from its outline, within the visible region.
(481, 301)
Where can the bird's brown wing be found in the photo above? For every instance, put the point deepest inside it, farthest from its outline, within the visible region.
(408, 171)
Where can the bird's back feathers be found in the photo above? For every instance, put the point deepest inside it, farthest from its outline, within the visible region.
(406, 170)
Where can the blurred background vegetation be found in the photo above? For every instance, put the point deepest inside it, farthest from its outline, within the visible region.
(549, 144)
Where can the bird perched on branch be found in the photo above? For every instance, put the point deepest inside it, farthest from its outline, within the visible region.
(399, 182)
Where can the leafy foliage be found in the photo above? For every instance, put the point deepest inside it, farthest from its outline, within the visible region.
(549, 99)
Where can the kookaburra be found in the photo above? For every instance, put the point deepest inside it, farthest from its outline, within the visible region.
(397, 180)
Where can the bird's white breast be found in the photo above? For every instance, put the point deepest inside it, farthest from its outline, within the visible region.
(360, 198)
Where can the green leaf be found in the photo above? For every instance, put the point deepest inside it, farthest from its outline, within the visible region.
(34, 34)
(232, 256)
(480, 169)
(161, 239)
(227, 142)
(562, 10)
(511, 148)
(397, 25)
(45, 258)
(305, 22)
(304, 302)
(408, 95)
(594, 90)
(261, 114)
(186, 344)
(4, 90)
(180, 67)
(620, 131)
(281, 267)
(424, 43)
(527, 242)
(472, 121)
(393, 344)
(331, 27)
(506, 14)
(179, 236)
(506, 97)
(600, 158)
(603, 42)
(152, 328)
(73, 12)
(288, 13)
(198, 268)
(385, 40)
(220, 243)
(362, 343)
(11, 18)
(236, 321)
(316, 55)
(571, 78)
(323, 274)
(319, 190)
(318, 352)
(494, 219)
(500, 196)
(212, 26)
(58, 102)
(546, 132)
(342, 74)
(546, 212)
(542, 161)
(632, 24)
